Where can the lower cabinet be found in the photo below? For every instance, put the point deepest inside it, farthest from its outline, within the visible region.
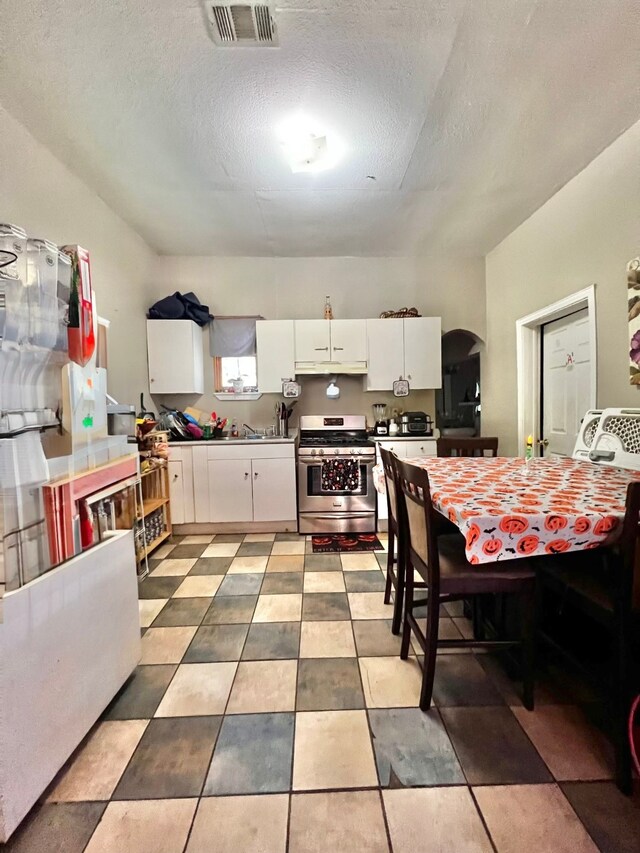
(230, 492)
(274, 489)
(404, 448)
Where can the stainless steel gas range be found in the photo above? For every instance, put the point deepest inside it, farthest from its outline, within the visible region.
(335, 475)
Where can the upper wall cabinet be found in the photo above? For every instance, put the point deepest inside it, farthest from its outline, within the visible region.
(275, 354)
(174, 350)
(327, 342)
(409, 348)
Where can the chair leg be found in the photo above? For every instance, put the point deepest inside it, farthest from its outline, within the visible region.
(408, 609)
(621, 694)
(431, 634)
(390, 552)
(401, 574)
(477, 617)
(528, 610)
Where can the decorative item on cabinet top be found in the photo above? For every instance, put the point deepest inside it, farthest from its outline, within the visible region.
(400, 314)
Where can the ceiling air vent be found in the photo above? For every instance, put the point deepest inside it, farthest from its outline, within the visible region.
(241, 24)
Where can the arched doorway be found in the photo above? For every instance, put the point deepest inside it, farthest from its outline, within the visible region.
(458, 402)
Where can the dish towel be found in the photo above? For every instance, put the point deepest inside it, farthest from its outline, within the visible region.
(340, 475)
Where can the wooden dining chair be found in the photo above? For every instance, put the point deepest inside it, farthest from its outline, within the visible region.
(599, 584)
(464, 446)
(441, 563)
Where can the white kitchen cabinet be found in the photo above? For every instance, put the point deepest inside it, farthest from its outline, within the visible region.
(312, 340)
(423, 352)
(409, 348)
(348, 340)
(274, 489)
(404, 448)
(385, 353)
(174, 351)
(275, 354)
(181, 485)
(230, 490)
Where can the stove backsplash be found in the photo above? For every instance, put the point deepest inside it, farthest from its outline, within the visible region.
(313, 401)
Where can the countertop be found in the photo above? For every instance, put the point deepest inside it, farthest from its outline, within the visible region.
(221, 441)
(403, 438)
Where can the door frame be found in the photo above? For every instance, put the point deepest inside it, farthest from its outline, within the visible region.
(528, 352)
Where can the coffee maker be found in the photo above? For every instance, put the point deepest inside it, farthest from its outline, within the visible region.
(380, 417)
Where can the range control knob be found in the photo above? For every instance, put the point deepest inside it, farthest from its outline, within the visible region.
(336, 451)
(313, 452)
(321, 452)
(353, 451)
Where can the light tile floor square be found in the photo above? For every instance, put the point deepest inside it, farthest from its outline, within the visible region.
(445, 819)
(198, 539)
(163, 551)
(166, 645)
(248, 565)
(324, 582)
(363, 561)
(198, 689)
(172, 568)
(278, 608)
(95, 770)
(327, 640)
(391, 682)
(369, 605)
(286, 563)
(198, 586)
(263, 687)
(260, 537)
(341, 821)
(221, 549)
(142, 826)
(240, 825)
(149, 609)
(333, 750)
(287, 548)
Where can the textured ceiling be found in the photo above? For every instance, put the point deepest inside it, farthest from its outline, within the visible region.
(469, 113)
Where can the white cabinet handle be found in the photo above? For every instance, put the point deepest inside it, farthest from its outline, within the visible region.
(409, 376)
(339, 348)
(246, 474)
(323, 349)
(176, 476)
(255, 474)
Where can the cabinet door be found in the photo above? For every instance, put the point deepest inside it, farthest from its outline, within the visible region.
(312, 340)
(385, 353)
(174, 350)
(230, 490)
(176, 491)
(348, 340)
(423, 352)
(274, 489)
(275, 354)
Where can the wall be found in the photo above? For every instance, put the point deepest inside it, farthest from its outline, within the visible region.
(296, 288)
(40, 194)
(586, 233)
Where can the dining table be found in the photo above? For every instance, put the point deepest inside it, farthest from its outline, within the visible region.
(508, 508)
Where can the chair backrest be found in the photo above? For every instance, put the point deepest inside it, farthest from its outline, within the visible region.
(464, 446)
(388, 464)
(615, 440)
(415, 497)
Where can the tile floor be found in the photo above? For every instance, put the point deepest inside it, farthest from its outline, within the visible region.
(271, 713)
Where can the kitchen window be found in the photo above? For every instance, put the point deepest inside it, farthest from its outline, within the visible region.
(232, 343)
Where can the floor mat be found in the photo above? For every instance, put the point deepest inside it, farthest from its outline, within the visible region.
(346, 542)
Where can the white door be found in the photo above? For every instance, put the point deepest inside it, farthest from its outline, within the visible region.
(274, 489)
(312, 339)
(566, 381)
(423, 352)
(385, 353)
(348, 340)
(230, 494)
(274, 354)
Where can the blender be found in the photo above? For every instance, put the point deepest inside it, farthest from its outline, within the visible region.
(380, 418)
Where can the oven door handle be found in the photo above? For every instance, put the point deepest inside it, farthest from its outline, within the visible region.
(315, 460)
(328, 516)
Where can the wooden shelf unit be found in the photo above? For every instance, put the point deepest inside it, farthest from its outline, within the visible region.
(154, 489)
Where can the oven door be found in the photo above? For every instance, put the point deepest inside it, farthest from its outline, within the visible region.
(313, 496)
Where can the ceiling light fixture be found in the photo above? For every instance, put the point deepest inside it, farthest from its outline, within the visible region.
(308, 147)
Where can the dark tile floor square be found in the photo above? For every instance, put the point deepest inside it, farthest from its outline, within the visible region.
(381, 557)
(187, 552)
(322, 563)
(460, 680)
(282, 582)
(158, 587)
(289, 537)
(492, 747)
(211, 566)
(374, 638)
(325, 606)
(413, 749)
(182, 611)
(171, 759)
(228, 537)
(252, 756)
(240, 585)
(364, 581)
(272, 641)
(216, 643)
(612, 820)
(141, 695)
(254, 549)
(56, 828)
(326, 684)
(230, 610)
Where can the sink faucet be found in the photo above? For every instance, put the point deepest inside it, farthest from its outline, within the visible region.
(247, 430)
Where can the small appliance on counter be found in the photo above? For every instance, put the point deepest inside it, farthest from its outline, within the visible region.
(121, 419)
(380, 416)
(416, 423)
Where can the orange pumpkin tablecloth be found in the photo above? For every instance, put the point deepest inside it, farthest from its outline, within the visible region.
(508, 509)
